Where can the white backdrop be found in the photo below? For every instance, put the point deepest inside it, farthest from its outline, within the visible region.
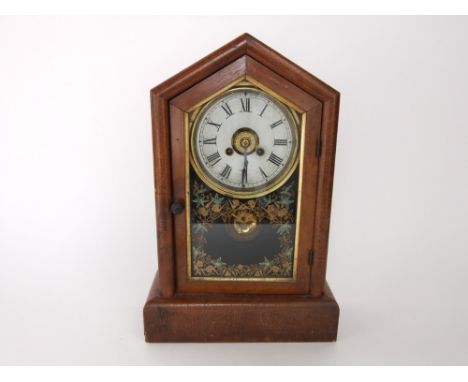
(77, 226)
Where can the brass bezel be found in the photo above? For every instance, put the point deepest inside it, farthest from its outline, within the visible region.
(276, 182)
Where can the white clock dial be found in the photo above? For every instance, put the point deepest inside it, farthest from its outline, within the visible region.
(243, 142)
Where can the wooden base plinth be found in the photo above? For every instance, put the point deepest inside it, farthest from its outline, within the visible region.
(240, 318)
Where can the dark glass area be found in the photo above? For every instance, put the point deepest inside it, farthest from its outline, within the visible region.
(222, 239)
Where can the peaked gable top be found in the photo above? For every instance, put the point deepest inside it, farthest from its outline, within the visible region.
(241, 46)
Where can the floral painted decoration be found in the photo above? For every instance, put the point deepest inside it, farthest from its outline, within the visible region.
(277, 209)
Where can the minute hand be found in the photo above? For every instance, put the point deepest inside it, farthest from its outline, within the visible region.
(244, 170)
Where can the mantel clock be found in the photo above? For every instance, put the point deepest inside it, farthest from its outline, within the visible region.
(244, 145)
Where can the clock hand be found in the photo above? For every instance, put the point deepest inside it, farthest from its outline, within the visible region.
(244, 170)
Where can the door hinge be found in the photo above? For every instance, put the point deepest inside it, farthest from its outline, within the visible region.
(318, 148)
(311, 257)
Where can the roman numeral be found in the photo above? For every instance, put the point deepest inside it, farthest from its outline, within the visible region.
(227, 109)
(280, 142)
(263, 110)
(226, 171)
(213, 158)
(217, 125)
(263, 172)
(245, 102)
(275, 159)
(277, 123)
(209, 141)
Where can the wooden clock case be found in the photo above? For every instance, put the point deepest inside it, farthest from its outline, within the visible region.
(182, 310)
